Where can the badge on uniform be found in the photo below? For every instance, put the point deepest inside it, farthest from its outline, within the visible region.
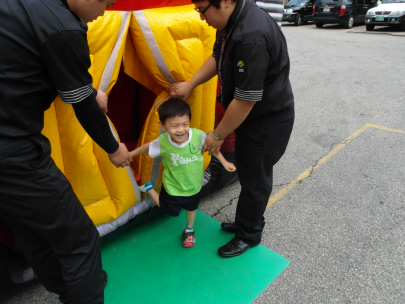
(241, 65)
(195, 148)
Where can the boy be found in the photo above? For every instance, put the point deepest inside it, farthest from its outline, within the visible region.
(183, 175)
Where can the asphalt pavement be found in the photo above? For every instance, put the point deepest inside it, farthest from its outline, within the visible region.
(338, 205)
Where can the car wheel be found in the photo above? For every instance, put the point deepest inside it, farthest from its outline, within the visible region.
(349, 23)
(298, 20)
(370, 27)
(318, 25)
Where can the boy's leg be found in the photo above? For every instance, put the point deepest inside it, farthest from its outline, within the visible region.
(191, 206)
(155, 196)
(188, 232)
(190, 218)
(147, 188)
(166, 202)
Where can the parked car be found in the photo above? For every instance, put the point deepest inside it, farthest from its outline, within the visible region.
(343, 12)
(298, 11)
(389, 12)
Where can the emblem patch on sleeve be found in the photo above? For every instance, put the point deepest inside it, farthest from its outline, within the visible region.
(241, 65)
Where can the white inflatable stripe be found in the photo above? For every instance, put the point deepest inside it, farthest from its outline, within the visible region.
(153, 46)
(129, 172)
(109, 68)
(105, 81)
(161, 63)
(130, 214)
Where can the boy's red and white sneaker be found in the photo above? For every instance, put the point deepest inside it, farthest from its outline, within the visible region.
(188, 239)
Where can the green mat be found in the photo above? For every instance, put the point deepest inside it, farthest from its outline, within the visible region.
(147, 265)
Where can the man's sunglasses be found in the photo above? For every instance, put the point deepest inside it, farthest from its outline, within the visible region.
(203, 11)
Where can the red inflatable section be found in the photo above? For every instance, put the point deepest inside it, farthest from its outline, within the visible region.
(137, 5)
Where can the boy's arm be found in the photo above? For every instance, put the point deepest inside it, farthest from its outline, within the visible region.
(227, 165)
(140, 150)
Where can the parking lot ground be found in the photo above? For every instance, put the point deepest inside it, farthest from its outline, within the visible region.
(385, 30)
(307, 173)
(357, 28)
(345, 226)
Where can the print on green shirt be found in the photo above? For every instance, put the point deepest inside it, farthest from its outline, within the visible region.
(194, 148)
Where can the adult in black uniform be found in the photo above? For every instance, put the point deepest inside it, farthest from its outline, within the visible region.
(44, 53)
(251, 59)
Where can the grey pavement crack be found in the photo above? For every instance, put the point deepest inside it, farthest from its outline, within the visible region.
(224, 206)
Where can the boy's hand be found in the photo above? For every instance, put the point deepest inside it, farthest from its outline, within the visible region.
(230, 167)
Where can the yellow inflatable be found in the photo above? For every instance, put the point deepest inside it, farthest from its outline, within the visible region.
(154, 47)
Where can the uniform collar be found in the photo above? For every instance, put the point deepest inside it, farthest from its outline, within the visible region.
(82, 23)
(190, 135)
(64, 2)
(234, 16)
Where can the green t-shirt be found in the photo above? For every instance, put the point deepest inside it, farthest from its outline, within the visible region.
(184, 173)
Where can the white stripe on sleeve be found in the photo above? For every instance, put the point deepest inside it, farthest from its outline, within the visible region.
(77, 95)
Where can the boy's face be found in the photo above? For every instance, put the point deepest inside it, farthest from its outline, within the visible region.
(177, 127)
(89, 10)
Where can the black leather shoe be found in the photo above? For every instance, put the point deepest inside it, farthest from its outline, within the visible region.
(229, 227)
(105, 279)
(234, 248)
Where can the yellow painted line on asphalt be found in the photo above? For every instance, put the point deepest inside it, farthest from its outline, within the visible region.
(274, 198)
(384, 128)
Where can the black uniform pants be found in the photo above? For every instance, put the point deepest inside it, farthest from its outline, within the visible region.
(51, 226)
(259, 145)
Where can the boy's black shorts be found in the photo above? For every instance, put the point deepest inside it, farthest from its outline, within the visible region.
(172, 204)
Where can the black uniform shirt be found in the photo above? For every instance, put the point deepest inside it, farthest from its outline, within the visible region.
(43, 53)
(255, 63)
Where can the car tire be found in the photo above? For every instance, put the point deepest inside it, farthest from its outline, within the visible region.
(402, 27)
(298, 20)
(349, 22)
(370, 27)
(318, 25)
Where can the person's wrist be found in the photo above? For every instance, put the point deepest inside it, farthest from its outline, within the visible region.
(217, 136)
(116, 150)
(192, 84)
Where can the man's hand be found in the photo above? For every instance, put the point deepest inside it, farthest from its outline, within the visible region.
(181, 89)
(102, 100)
(211, 144)
(121, 157)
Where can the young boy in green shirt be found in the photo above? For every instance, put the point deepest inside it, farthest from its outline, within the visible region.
(183, 174)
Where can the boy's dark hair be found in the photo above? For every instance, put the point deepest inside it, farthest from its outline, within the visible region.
(216, 3)
(173, 107)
